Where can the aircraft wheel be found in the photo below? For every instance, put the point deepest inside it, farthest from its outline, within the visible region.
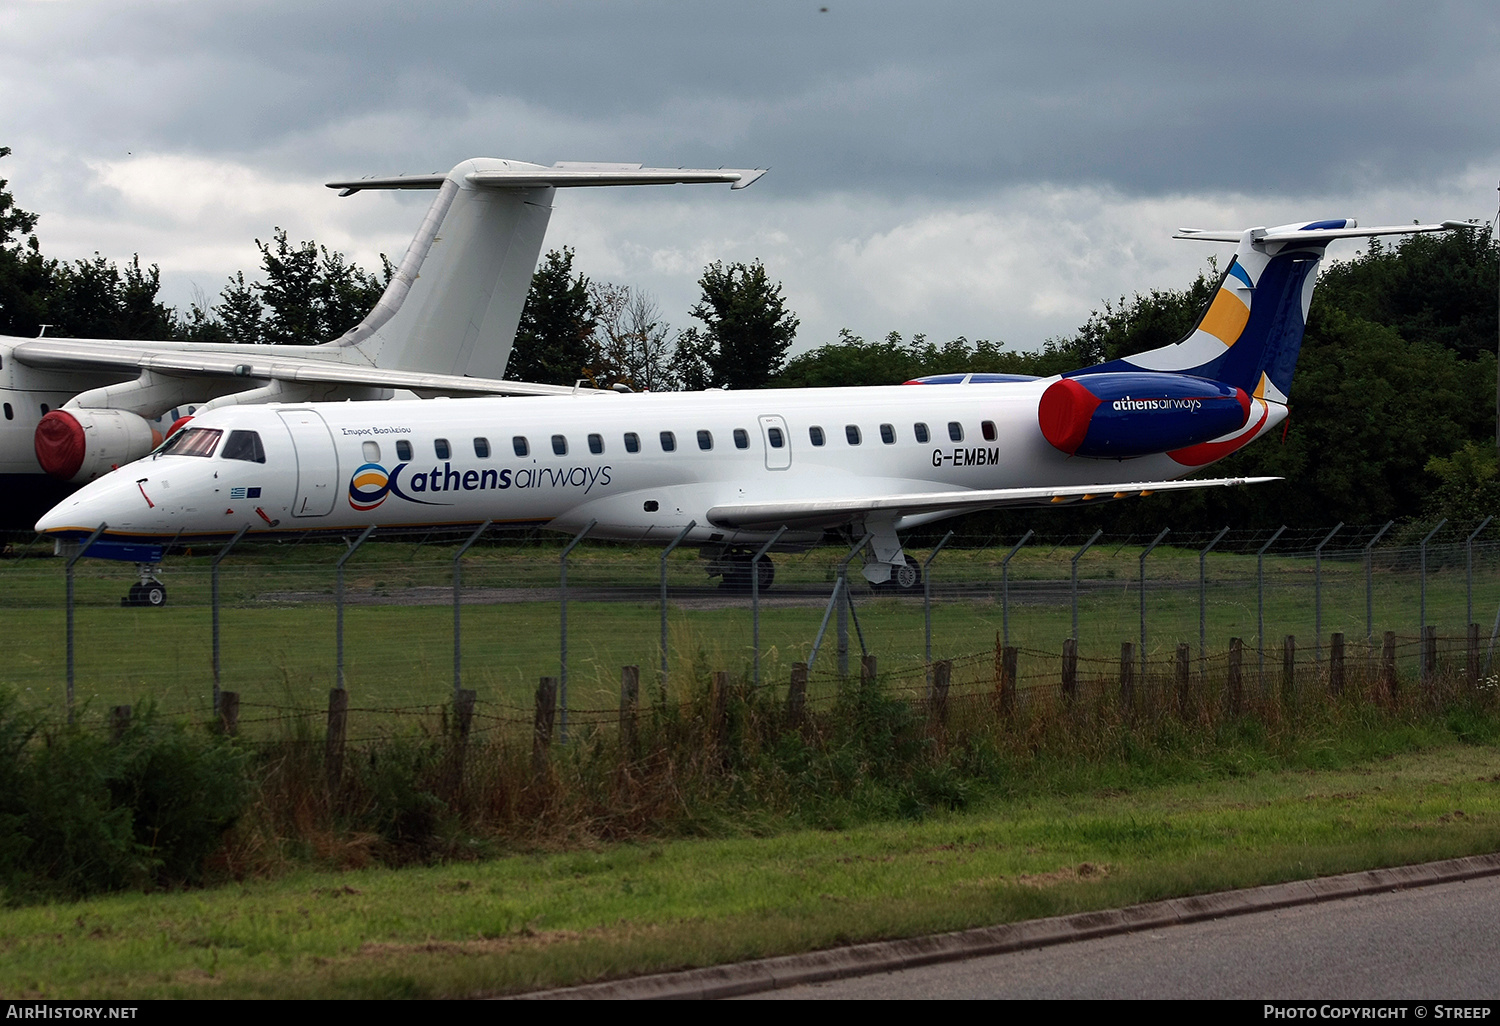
(767, 570)
(133, 598)
(908, 576)
(153, 594)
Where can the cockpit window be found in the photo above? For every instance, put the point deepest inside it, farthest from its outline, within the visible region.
(192, 442)
(245, 445)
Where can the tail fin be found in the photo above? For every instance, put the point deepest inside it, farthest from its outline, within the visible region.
(1250, 334)
(453, 304)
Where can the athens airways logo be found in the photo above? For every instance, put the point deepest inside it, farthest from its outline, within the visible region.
(370, 484)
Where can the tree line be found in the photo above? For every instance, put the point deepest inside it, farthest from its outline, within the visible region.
(1393, 412)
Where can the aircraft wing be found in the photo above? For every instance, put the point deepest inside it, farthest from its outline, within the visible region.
(256, 363)
(828, 513)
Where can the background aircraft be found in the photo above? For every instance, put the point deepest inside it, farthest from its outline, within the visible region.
(737, 470)
(74, 408)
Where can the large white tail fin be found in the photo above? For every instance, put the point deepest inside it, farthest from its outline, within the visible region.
(454, 302)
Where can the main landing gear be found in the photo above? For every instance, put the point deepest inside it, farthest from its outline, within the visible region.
(733, 569)
(904, 578)
(149, 591)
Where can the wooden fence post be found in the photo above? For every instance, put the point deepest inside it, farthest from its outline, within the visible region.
(1009, 660)
(796, 696)
(541, 731)
(1236, 676)
(229, 713)
(867, 671)
(333, 748)
(463, 714)
(1127, 676)
(1289, 669)
(937, 711)
(1184, 660)
(1336, 663)
(1070, 668)
(1388, 664)
(119, 721)
(630, 700)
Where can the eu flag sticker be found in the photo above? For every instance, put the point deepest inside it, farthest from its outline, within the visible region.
(253, 493)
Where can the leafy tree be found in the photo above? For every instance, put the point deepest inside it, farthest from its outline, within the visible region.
(94, 299)
(309, 295)
(747, 328)
(853, 361)
(24, 274)
(554, 341)
(1468, 485)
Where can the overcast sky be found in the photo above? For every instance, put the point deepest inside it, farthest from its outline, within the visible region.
(956, 169)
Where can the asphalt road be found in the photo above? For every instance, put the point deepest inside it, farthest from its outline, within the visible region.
(1440, 943)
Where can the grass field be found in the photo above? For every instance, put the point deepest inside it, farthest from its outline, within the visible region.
(1077, 838)
(278, 618)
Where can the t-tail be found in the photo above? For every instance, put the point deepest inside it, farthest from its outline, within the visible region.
(1227, 382)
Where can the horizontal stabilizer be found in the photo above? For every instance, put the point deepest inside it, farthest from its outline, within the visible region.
(566, 174)
(828, 513)
(1350, 230)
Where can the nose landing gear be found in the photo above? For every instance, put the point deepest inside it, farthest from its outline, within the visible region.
(149, 591)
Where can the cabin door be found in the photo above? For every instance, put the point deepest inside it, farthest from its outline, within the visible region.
(778, 442)
(317, 463)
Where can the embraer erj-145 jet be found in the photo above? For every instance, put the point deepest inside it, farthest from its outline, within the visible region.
(741, 466)
(74, 408)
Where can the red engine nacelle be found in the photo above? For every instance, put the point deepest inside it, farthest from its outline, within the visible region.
(80, 445)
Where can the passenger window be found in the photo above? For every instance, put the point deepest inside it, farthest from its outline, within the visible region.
(775, 437)
(923, 436)
(559, 445)
(519, 444)
(370, 450)
(741, 438)
(596, 444)
(955, 431)
(442, 448)
(851, 433)
(888, 434)
(815, 435)
(403, 450)
(705, 440)
(10, 414)
(632, 442)
(988, 427)
(668, 442)
(245, 445)
(482, 448)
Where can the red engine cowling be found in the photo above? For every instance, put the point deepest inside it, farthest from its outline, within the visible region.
(80, 445)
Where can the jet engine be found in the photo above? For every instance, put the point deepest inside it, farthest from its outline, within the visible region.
(1123, 415)
(79, 445)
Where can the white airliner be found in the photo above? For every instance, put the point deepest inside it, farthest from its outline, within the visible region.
(75, 408)
(741, 466)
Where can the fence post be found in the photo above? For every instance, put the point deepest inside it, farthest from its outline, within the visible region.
(1070, 668)
(1008, 662)
(1318, 595)
(927, 593)
(333, 747)
(457, 590)
(1423, 622)
(229, 713)
(1388, 664)
(1203, 608)
(1144, 553)
(1469, 570)
(1127, 677)
(338, 598)
(1429, 656)
(1471, 655)
(1260, 608)
(1289, 669)
(942, 673)
(541, 729)
(1184, 659)
(1236, 681)
(867, 670)
(1073, 577)
(1336, 663)
(68, 570)
(213, 576)
(630, 697)
(1005, 587)
(755, 598)
(796, 696)
(675, 542)
(562, 587)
